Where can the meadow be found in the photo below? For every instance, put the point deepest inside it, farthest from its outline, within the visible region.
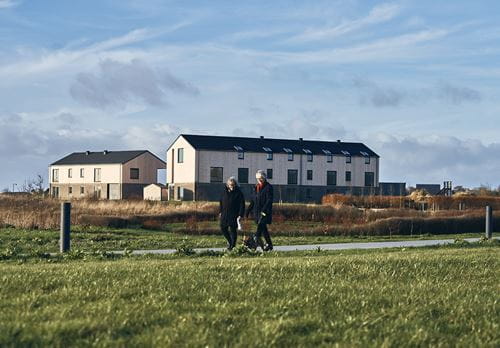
(199, 218)
(447, 296)
(15, 241)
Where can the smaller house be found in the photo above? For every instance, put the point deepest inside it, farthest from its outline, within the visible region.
(432, 189)
(104, 174)
(393, 189)
(155, 192)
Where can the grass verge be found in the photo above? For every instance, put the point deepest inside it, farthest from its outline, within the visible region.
(445, 296)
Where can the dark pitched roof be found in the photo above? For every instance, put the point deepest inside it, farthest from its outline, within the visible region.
(297, 146)
(101, 157)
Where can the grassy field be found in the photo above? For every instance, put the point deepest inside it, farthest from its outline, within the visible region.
(447, 296)
(13, 240)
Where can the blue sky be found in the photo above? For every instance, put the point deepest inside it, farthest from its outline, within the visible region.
(417, 81)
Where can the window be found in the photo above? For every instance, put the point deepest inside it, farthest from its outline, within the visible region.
(243, 175)
(97, 174)
(70, 172)
(180, 155)
(329, 156)
(269, 173)
(289, 152)
(347, 156)
(134, 173)
(241, 153)
(55, 175)
(82, 190)
(367, 157)
(369, 179)
(331, 177)
(216, 174)
(70, 190)
(293, 176)
(82, 172)
(309, 155)
(269, 153)
(309, 174)
(348, 176)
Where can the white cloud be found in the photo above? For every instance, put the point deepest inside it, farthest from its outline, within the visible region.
(373, 94)
(8, 3)
(117, 84)
(379, 14)
(436, 158)
(156, 138)
(47, 61)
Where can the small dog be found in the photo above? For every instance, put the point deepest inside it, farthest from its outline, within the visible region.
(249, 242)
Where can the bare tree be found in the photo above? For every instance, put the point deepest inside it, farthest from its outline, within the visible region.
(33, 185)
(39, 183)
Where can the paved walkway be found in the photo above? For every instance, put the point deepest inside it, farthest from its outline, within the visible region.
(333, 246)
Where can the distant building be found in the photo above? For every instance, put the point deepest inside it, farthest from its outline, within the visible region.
(300, 170)
(432, 189)
(155, 192)
(105, 174)
(393, 188)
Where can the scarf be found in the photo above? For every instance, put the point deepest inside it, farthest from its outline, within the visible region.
(260, 186)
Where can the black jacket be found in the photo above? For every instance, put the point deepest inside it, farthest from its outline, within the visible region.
(231, 205)
(262, 201)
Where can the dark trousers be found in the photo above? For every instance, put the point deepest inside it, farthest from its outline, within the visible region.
(263, 232)
(229, 233)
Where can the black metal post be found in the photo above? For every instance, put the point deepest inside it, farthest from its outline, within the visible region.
(489, 222)
(65, 226)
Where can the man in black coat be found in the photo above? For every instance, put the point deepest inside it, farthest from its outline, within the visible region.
(262, 208)
(232, 207)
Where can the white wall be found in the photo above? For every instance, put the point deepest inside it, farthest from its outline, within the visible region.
(183, 172)
(152, 193)
(280, 165)
(110, 173)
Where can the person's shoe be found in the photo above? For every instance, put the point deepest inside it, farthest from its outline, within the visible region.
(259, 242)
(268, 247)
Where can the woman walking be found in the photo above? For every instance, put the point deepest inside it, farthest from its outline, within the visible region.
(262, 208)
(232, 207)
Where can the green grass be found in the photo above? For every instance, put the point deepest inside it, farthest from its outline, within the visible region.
(107, 239)
(100, 238)
(445, 296)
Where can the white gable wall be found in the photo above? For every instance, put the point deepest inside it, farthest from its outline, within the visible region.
(182, 172)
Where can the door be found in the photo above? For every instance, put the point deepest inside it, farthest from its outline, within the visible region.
(97, 192)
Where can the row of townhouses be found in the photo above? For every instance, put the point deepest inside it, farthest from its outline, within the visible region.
(198, 165)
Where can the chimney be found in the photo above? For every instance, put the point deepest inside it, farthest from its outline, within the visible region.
(301, 139)
(338, 140)
(105, 152)
(262, 137)
(87, 152)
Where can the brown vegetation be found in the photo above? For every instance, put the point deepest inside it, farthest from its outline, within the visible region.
(415, 201)
(341, 218)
